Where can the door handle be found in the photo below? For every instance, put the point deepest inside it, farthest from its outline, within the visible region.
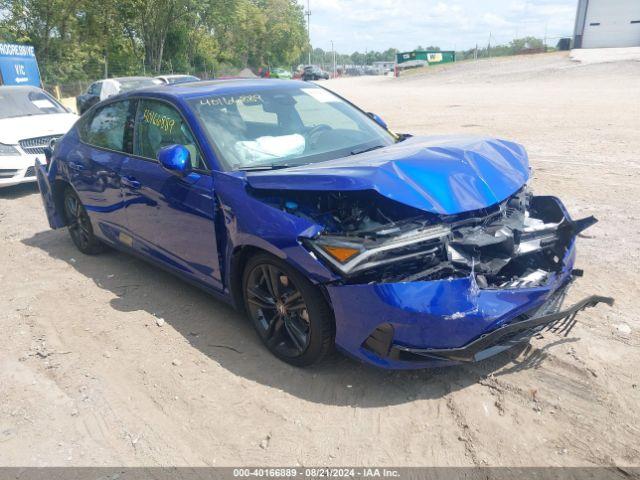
(131, 182)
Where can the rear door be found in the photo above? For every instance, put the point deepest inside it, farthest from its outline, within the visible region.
(170, 218)
(94, 165)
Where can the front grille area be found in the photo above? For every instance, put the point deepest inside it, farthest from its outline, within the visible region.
(6, 173)
(36, 146)
(31, 172)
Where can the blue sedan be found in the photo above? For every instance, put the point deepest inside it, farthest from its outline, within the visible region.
(326, 228)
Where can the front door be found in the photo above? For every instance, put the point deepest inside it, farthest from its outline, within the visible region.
(95, 164)
(170, 218)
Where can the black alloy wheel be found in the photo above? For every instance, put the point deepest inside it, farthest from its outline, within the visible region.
(79, 224)
(289, 313)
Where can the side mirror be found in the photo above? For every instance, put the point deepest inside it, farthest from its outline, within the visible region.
(378, 120)
(175, 159)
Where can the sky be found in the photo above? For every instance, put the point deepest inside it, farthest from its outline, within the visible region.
(359, 25)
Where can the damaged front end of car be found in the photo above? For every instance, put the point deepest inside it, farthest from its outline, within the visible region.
(422, 289)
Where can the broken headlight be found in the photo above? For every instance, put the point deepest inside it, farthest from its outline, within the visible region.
(354, 254)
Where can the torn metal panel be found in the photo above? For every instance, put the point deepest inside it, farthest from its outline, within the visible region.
(46, 177)
(437, 281)
(439, 314)
(440, 175)
(368, 238)
(502, 336)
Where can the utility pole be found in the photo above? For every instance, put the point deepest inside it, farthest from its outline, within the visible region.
(308, 14)
(489, 46)
(333, 52)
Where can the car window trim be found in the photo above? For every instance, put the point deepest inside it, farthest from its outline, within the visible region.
(184, 120)
(366, 114)
(130, 126)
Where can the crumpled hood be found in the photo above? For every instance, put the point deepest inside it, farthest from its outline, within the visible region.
(442, 175)
(12, 130)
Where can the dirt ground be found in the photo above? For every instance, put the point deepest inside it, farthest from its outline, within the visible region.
(89, 377)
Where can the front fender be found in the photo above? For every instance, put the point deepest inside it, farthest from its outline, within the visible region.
(249, 222)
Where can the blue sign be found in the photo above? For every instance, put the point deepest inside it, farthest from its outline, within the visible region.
(18, 65)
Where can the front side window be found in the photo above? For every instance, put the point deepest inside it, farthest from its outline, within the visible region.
(272, 128)
(106, 128)
(158, 125)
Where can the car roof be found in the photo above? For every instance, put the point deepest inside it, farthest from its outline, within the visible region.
(219, 87)
(176, 75)
(124, 79)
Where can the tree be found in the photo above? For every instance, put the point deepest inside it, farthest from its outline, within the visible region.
(151, 21)
(49, 25)
(85, 39)
(527, 43)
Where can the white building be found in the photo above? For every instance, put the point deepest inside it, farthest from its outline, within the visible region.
(607, 23)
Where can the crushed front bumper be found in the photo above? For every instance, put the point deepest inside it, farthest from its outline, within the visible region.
(500, 339)
(409, 325)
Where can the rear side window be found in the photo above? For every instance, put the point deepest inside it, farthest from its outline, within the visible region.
(107, 127)
(158, 125)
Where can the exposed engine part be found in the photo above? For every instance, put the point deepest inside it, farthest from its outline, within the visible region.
(345, 213)
(536, 277)
(368, 238)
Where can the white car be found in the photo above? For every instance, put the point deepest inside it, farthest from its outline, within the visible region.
(175, 79)
(29, 119)
(103, 89)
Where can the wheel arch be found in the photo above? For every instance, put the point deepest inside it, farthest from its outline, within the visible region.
(239, 258)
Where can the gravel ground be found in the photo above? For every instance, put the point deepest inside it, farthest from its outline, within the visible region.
(90, 375)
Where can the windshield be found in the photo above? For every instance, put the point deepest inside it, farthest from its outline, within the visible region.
(21, 102)
(185, 79)
(132, 84)
(286, 127)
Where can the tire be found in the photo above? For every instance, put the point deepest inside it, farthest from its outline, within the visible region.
(79, 225)
(294, 322)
